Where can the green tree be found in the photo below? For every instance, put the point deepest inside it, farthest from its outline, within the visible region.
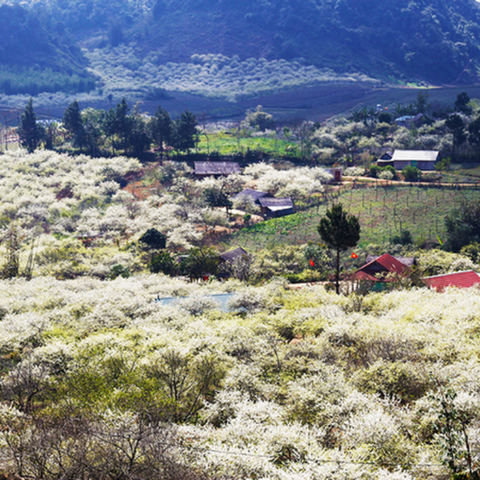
(421, 104)
(260, 119)
(118, 122)
(463, 226)
(153, 239)
(138, 137)
(29, 131)
(185, 133)
(93, 122)
(162, 262)
(161, 128)
(216, 198)
(339, 230)
(474, 132)
(200, 262)
(73, 123)
(461, 103)
(456, 126)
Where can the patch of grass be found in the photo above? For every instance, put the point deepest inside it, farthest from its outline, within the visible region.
(383, 213)
(228, 144)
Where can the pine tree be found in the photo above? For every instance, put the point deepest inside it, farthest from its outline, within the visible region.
(73, 123)
(339, 230)
(185, 132)
(160, 128)
(29, 131)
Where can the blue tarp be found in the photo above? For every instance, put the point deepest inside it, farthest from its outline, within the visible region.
(221, 298)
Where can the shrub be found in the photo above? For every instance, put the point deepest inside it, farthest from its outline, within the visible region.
(411, 173)
(162, 262)
(153, 239)
(118, 271)
(397, 379)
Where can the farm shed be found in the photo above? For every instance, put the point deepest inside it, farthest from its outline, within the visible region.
(382, 269)
(336, 173)
(465, 279)
(216, 169)
(276, 207)
(422, 159)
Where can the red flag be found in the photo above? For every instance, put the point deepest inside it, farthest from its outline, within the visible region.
(205, 278)
(354, 255)
(312, 263)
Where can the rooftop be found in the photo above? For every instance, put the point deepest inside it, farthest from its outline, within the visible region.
(216, 168)
(465, 279)
(415, 155)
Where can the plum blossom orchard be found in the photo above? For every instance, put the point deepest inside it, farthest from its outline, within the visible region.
(306, 384)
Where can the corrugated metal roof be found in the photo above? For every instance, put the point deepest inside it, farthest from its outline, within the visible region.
(378, 268)
(415, 155)
(231, 255)
(272, 202)
(408, 261)
(391, 263)
(464, 279)
(249, 192)
(216, 168)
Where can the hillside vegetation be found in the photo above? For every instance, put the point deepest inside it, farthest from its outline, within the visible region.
(208, 43)
(301, 385)
(33, 60)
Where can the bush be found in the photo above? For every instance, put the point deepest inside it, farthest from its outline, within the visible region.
(162, 262)
(375, 171)
(118, 271)
(397, 379)
(405, 238)
(411, 173)
(153, 239)
(305, 276)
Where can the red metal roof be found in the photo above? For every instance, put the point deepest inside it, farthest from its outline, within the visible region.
(458, 279)
(391, 263)
(377, 269)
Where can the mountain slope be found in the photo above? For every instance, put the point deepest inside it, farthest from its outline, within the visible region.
(435, 41)
(431, 41)
(33, 60)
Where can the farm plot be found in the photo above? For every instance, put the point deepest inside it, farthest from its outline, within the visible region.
(383, 212)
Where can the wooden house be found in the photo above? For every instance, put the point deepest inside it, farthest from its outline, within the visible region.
(276, 207)
(465, 279)
(216, 169)
(422, 159)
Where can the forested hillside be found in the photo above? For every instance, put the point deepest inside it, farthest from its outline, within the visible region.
(436, 42)
(33, 58)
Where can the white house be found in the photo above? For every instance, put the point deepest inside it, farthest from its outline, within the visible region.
(422, 159)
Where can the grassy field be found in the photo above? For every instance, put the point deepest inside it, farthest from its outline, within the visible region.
(228, 144)
(383, 213)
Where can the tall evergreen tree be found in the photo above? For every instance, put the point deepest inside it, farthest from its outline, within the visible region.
(29, 131)
(118, 122)
(160, 127)
(73, 123)
(185, 134)
(339, 230)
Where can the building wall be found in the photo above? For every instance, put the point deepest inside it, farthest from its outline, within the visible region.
(426, 166)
